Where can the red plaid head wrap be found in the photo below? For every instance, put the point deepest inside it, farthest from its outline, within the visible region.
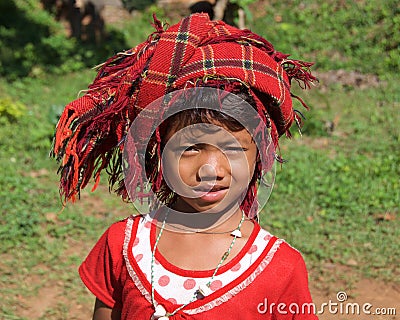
(196, 51)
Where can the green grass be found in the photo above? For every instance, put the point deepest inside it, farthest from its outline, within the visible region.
(358, 35)
(337, 197)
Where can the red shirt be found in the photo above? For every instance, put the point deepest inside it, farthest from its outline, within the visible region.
(273, 287)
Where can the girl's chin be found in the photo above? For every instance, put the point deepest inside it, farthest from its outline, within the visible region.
(205, 205)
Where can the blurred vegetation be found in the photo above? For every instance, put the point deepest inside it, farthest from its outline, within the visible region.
(361, 36)
(353, 35)
(336, 199)
(336, 34)
(10, 110)
(131, 5)
(33, 43)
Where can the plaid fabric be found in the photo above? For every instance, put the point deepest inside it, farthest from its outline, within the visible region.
(89, 136)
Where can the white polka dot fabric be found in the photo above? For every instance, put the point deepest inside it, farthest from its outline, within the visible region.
(172, 283)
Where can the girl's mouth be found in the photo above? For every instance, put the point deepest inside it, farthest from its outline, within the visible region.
(211, 193)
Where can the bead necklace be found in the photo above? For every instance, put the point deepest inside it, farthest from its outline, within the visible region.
(233, 232)
(203, 290)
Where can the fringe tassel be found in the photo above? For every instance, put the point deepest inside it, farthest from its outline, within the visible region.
(92, 118)
(299, 71)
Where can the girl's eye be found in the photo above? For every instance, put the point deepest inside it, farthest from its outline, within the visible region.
(192, 149)
(235, 149)
(189, 149)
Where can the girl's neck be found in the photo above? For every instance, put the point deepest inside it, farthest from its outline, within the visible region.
(199, 222)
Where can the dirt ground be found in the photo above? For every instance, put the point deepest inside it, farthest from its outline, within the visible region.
(372, 295)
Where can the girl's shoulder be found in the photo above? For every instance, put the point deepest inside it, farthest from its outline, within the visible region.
(108, 249)
(114, 236)
(288, 254)
(119, 227)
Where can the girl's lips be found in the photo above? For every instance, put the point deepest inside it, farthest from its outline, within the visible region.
(209, 187)
(215, 194)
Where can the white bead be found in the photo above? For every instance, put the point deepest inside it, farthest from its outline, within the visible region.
(163, 318)
(205, 290)
(236, 233)
(160, 312)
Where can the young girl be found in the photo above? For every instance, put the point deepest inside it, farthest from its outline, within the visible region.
(188, 120)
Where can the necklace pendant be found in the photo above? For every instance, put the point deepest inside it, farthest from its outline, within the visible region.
(236, 233)
(160, 313)
(204, 290)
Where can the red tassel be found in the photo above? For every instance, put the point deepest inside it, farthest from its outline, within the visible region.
(301, 101)
(97, 181)
(299, 71)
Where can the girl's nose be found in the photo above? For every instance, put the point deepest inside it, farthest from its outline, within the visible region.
(207, 172)
(213, 167)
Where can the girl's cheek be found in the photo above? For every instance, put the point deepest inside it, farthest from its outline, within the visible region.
(170, 168)
(240, 170)
(243, 168)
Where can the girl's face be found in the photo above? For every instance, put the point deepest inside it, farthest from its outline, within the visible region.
(208, 166)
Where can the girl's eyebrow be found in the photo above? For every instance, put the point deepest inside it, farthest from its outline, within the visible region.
(221, 144)
(233, 142)
(199, 136)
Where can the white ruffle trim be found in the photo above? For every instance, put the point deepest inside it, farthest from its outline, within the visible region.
(212, 304)
(132, 273)
(241, 286)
